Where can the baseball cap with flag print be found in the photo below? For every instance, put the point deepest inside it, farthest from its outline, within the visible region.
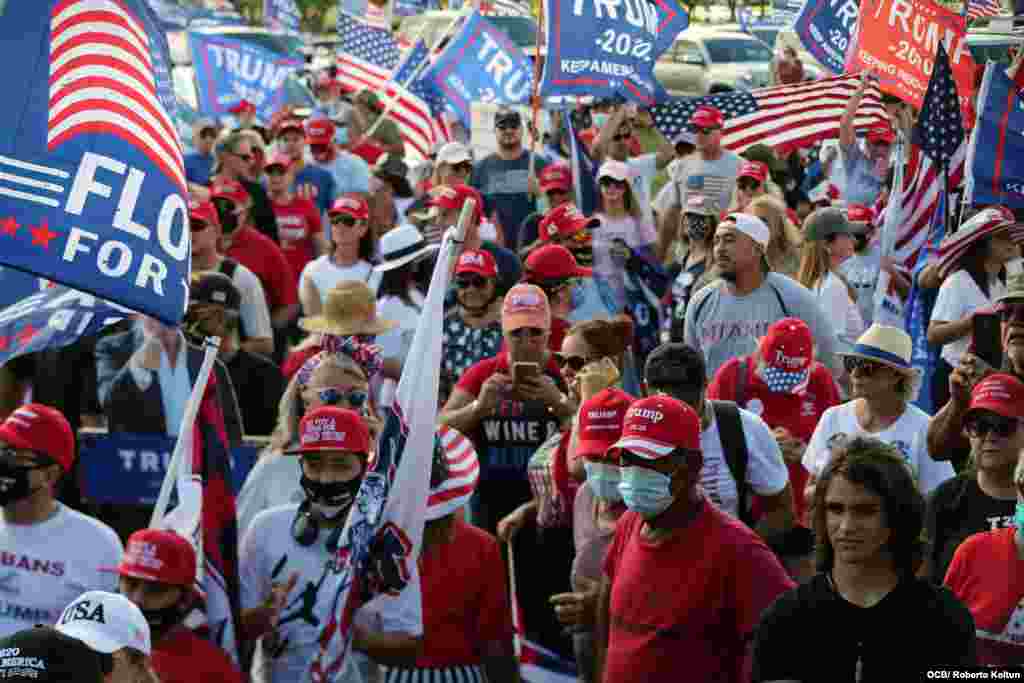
(786, 355)
(455, 473)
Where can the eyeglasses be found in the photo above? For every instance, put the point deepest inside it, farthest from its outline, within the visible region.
(861, 366)
(356, 398)
(747, 184)
(463, 167)
(10, 456)
(575, 363)
(700, 130)
(198, 226)
(1012, 313)
(507, 125)
(467, 281)
(275, 170)
(524, 332)
(343, 219)
(244, 157)
(611, 182)
(1002, 427)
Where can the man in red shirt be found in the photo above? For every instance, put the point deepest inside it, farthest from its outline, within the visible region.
(684, 583)
(158, 573)
(783, 385)
(299, 229)
(257, 252)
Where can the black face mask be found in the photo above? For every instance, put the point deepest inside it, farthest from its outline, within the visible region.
(697, 228)
(163, 619)
(335, 494)
(584, 256)
(227, 216)
(14, 484)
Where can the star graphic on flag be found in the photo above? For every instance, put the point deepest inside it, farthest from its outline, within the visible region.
(42, 235)
(25, 336)
(9, 226)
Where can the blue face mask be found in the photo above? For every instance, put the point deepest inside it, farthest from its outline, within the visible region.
(1018, 517)
(645, 491)
(577, 296)
(341, 135)
(599, 119)
(603, 480)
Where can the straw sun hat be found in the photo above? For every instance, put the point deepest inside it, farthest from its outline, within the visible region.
(350, 308)
(885, 344)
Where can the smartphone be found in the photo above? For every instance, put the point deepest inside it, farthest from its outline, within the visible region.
(522, 371)
(986, 337)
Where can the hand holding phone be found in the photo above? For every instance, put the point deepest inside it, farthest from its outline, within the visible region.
(523, 371)
(985, 331)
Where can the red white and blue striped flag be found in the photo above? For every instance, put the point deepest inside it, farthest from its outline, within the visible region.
(977, 9)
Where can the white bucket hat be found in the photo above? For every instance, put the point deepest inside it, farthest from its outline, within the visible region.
(402, 245)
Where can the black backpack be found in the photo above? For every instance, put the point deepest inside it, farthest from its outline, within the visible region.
(734, 442)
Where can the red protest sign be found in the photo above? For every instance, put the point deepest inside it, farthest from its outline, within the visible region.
(898, 40)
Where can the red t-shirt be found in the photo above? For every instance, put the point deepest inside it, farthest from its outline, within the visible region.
(988, 578)
(465, 603)
(796, 413)
(298, 222)
(473, 379)
(184, 657)
(294, 361)
(262, 256)
(689, 604)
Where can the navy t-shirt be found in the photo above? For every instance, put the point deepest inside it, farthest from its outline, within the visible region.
(198, 168)
(505, 189)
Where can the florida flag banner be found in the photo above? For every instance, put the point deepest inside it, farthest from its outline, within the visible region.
(378, 550)
(92, 182)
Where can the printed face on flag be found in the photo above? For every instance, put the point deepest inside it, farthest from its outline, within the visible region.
(93, 185)
(608, 48)
(282, 15)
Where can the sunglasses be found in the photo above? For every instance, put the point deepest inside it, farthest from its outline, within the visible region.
(1012, 313)
(1002, 427)
(198, 226)
(579, 239)
(224, 206)
(275, 170)
(507, 125)
(463, 167)
(244, 157)
(318, 149)
(10, 456)
(861, 366)
(611, 182)
(342, 219)
(524, 332)
(208, 133)
(575, 363)
(355, 398)
(468, 281)
(747, 185)
(700, 130)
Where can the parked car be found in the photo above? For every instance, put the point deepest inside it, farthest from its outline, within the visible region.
(431, 26)
(707, 60)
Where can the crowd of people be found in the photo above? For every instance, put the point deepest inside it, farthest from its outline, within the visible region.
(673, 438)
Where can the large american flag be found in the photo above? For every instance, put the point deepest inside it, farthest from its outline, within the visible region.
(505, 8)
(796, 114)
(102, 80)
(923, 183)
(976, 9)
(368, 58)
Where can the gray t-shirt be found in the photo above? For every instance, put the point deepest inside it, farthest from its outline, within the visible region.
(505, 189)
(722, 326)
(862, 182)
(861, 271)
(715, 179)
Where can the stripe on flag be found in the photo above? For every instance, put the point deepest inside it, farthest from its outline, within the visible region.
(920, 198)
(976, 9)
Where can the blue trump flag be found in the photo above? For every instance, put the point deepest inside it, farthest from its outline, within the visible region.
(606, 49)
(92, 182)
(481, 64)
(281, 15)
(230, 70)
(995, 160)
(826, 30)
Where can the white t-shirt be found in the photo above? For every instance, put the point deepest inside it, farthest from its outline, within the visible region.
(269, 554)
(907, 434)
(45, 566)
(272, 481)
(835, 302)
(635, 233)
(326, 275)
(958, 297)
(395, 343)
(766, 470)
(666, 195)
(644, 168)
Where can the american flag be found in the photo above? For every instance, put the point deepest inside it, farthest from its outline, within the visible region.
(102, 80)
(368, 58)
(939, 131)
(795, 114)
(923, 185)
(976, 9)
(505, 8)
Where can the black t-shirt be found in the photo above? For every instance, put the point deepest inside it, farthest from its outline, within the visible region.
(812, 634)
(259, 385)
(958, 508)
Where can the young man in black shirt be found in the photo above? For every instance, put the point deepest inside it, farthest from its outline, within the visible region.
(864, 617)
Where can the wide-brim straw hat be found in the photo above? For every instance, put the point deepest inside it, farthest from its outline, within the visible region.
(984, 223)
(1014, 289)
(885, 344)
(350, 308)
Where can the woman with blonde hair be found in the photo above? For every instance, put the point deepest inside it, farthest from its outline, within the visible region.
(783, 252)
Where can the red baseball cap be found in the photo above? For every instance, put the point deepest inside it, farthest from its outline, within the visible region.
(858, 213)
(40, 429)
(881, 134)
(565, 220)
(477, 261)
(454, 196)
(657, 425)
(159, 555)
(330, 428)
(204, 212)
(552, 262)
(1000, 393)
(556, 177)
(242, 107)
(757, 170)
(319, 131)
(351, 205)
(525, 305)
(707, 117)
(787, 350)
(230, 189)
(600, 422)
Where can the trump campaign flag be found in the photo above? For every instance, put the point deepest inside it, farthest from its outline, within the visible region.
(996, 154)
(282, 15)
(481, 64)
(92, 182)
(378, 549)
(826, 30)
(229, 70)
(608, 48)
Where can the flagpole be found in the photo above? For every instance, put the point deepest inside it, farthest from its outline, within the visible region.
(185, 436)
(535, 103)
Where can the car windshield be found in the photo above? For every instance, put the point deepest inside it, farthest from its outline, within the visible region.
(725, 50)
(521, 30)
(765, 35)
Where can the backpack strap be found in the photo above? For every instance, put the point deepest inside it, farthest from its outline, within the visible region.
(741, 382)
(734, 448)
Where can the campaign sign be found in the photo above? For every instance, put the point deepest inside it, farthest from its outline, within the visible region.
(51, 318)
(230, 70)
(282, 15)
(128, 469)
(898, 40)
(605, 48)
(825, 29)
(481, 64)
(996, 155)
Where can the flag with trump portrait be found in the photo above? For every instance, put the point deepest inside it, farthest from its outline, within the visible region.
(92, 180)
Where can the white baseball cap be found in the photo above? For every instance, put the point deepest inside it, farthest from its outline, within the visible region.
(106, 622)
(752, 226)
(453, 153)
